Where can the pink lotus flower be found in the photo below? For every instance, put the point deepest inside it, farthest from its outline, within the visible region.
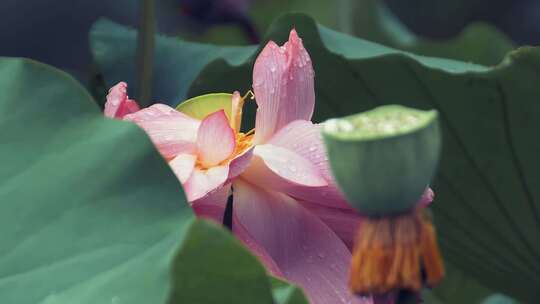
(286, 206)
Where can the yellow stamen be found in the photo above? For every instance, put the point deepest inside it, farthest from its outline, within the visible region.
(390, 254)
(236, 109)
(251, 95)
(250, 132)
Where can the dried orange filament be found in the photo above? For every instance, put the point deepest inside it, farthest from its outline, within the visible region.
(390, 254)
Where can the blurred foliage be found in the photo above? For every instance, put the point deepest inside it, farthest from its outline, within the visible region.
(78, 225)
(370, 19)
(176, 63)
(443, 19)
(459, 288)
(479, 42)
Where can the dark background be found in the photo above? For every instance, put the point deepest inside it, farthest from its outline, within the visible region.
(56, 32)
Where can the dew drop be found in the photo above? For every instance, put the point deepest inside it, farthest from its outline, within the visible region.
(312, 149)
(321, 255)
(257, 81)
(273, 68)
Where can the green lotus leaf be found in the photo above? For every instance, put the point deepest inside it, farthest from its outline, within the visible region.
(458, 287)
(285, 293)
(480, 43)
(89, 210)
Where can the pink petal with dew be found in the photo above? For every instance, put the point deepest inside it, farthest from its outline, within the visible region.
(281, 169)
(307, 252)
(427, 197)
(203, 182)
(215, 139)
(118, 104)
(240, 163)
(212, 206)
(283, 81)
(344, 222)
(242, 233)
(304, 138)
(183, 165)
(172, 132)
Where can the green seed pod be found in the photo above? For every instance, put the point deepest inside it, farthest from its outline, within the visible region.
(383, 159)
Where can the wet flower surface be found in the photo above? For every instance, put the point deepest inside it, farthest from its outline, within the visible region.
(286, 206)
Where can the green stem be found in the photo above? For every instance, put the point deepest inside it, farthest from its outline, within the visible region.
(145, 52)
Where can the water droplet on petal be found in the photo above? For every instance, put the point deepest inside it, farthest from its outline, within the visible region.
(312, 149)
(257, 80)
(322, 255)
